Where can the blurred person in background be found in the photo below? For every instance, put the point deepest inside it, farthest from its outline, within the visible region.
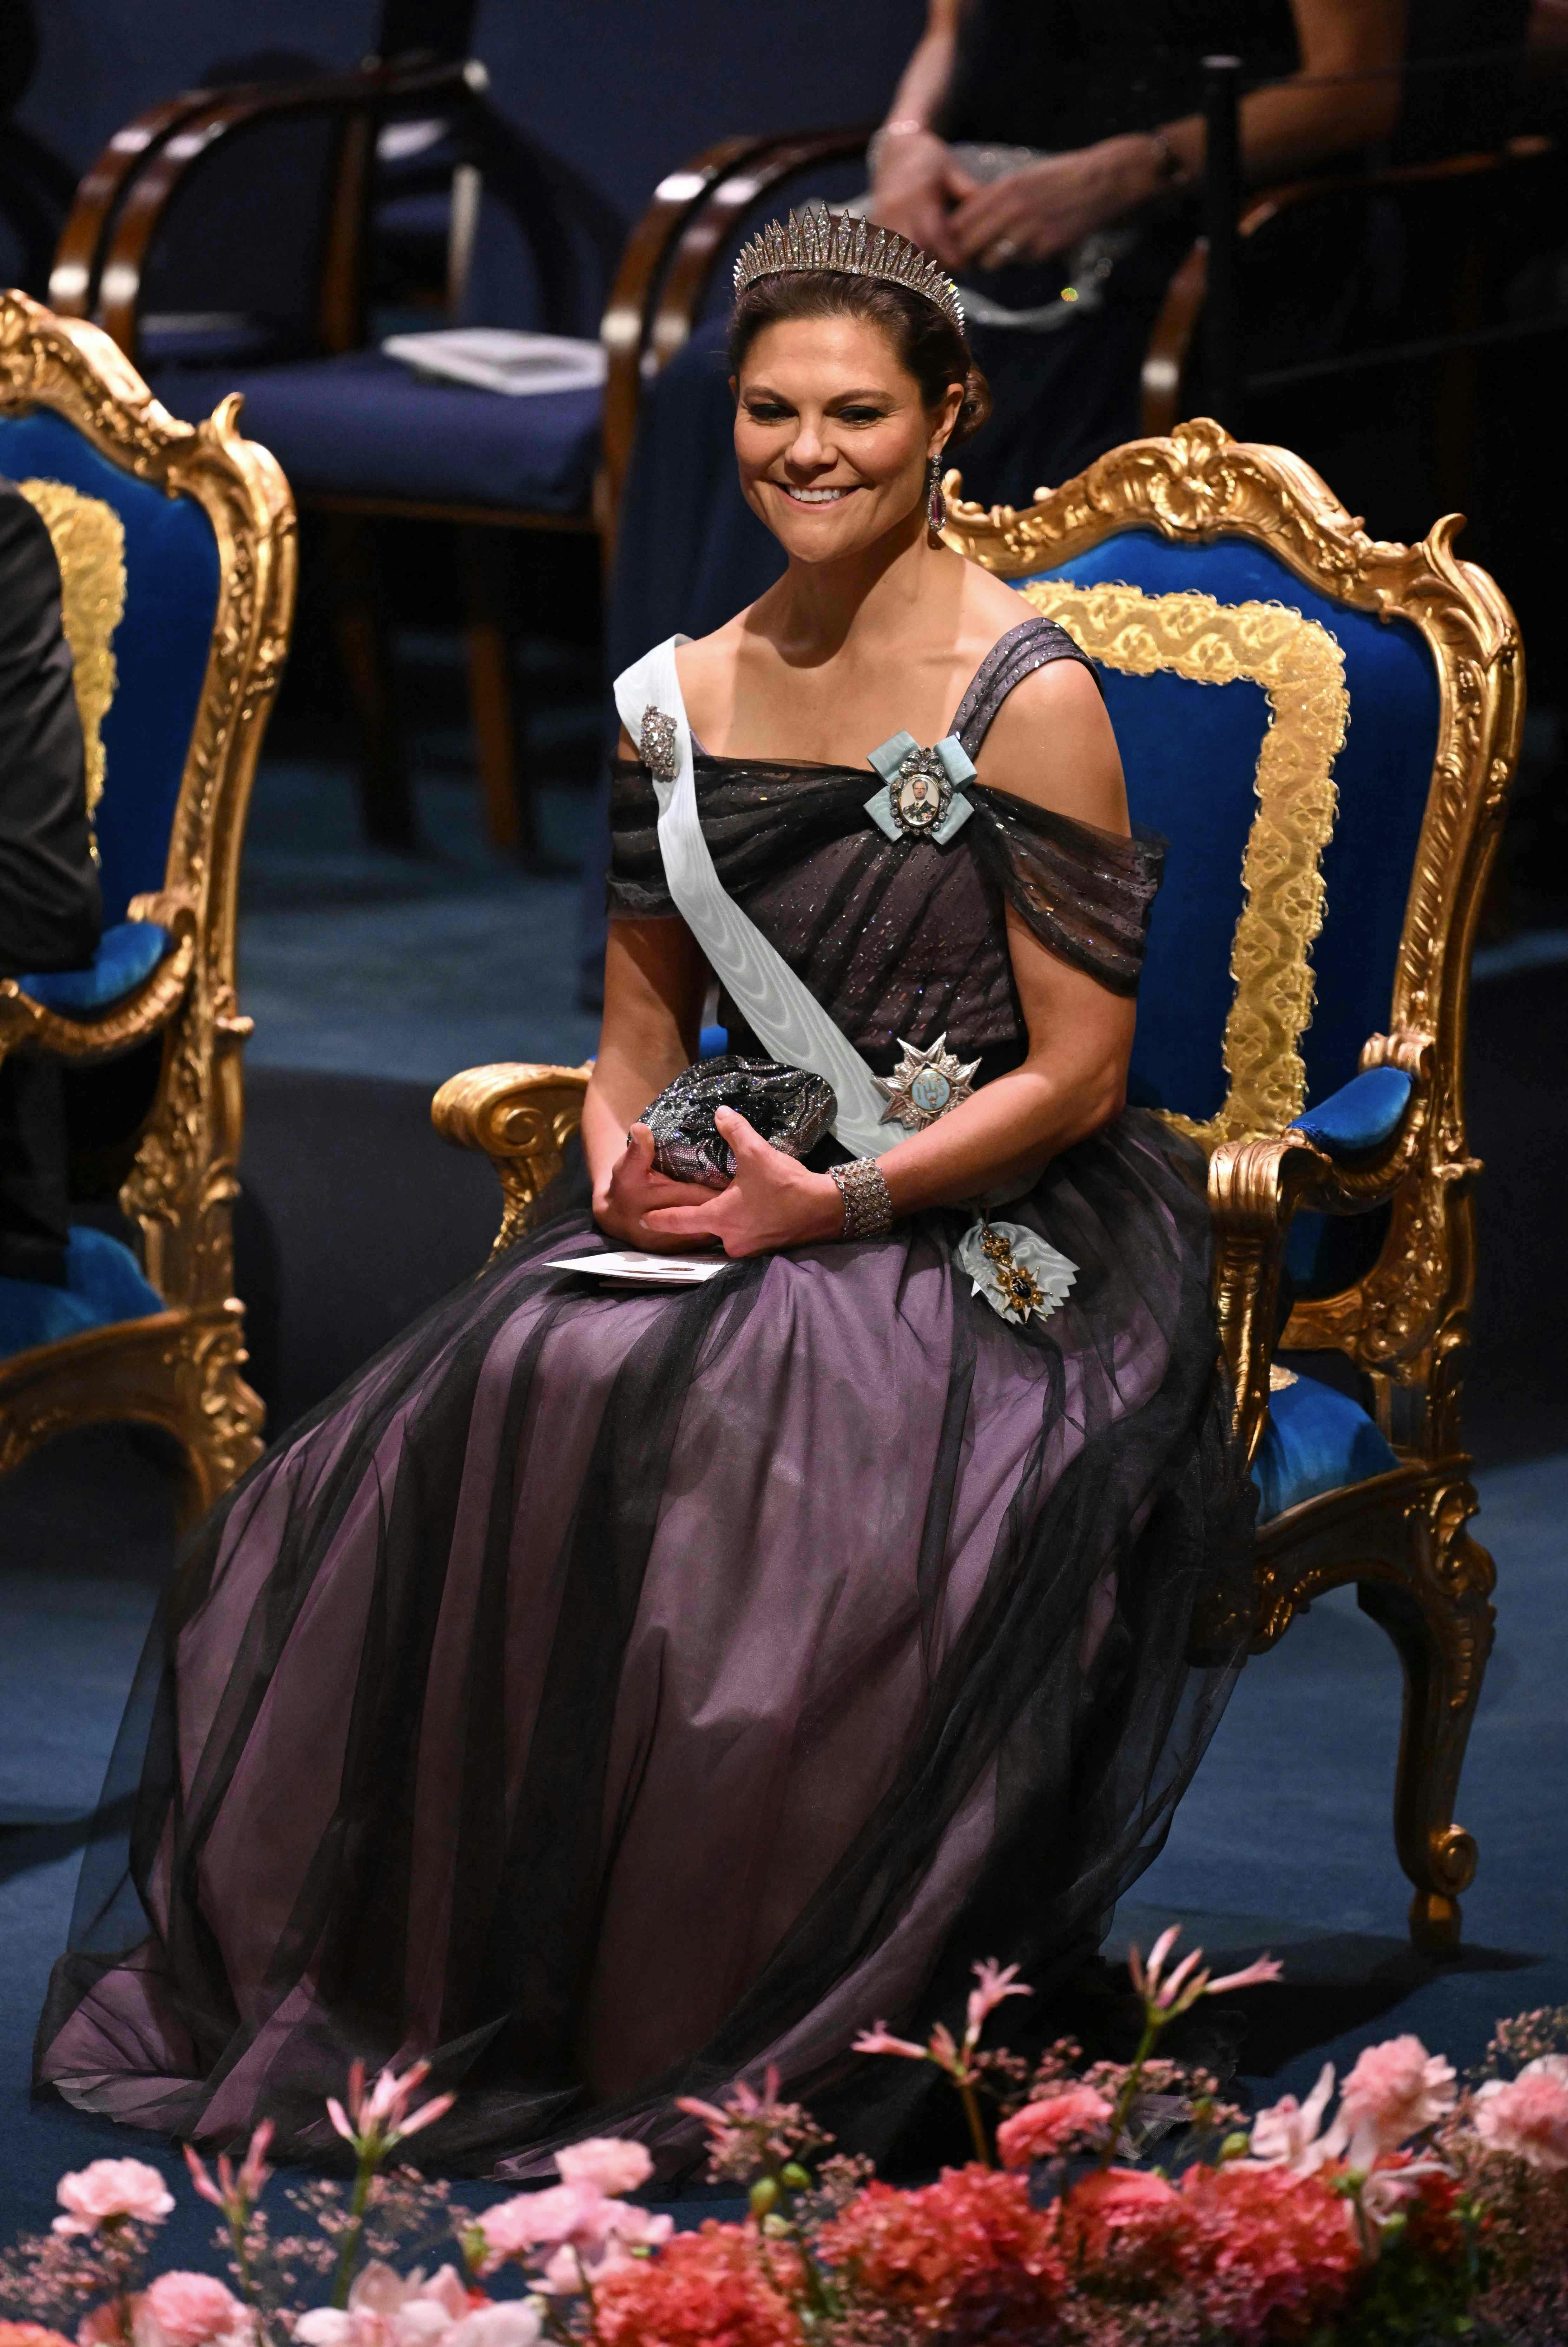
(50, 910)
(1049, 153)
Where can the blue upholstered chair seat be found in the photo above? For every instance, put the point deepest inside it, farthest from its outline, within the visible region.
(364, 425)
(103, 1284)
(1317, 1440)
(127, 954)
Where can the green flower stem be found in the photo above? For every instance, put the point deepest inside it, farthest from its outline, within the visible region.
(370, 2155)
(971, 2102)
(587, 2294)
(1153, 2024)
(238, 2217)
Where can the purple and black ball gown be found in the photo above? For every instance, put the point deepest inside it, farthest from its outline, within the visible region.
(608, 1693)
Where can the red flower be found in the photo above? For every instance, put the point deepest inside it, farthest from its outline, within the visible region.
(1127, 2228)
(1077, 2114)
(914, 2251)
(708, 2289)
(1275, 2253)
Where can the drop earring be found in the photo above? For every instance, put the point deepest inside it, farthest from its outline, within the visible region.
(936, 502)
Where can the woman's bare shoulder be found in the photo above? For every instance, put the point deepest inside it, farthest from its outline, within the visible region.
(709, 668)
(1051, 742)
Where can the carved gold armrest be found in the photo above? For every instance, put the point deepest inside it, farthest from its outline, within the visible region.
(140, 1014)
(522, 1115)
(1256, 1187)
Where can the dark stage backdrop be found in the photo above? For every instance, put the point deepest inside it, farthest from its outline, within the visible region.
(623, 89)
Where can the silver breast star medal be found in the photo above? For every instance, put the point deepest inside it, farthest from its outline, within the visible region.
(925, 1085)
(922, 796)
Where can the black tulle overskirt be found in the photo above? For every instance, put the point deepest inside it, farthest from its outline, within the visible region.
(608, 1693)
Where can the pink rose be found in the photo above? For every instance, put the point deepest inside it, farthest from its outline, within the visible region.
(606, 2164)
(185, 2310)
(109, 2190)
(1528, 2115)
(567, 2213)
(1394, 2091)
(1042, 2129)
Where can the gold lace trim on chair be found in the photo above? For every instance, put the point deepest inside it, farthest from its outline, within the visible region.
(88, 538)
(1301, 669)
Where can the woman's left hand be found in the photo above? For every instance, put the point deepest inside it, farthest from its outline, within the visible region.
(1049, 205)
(773, 1201)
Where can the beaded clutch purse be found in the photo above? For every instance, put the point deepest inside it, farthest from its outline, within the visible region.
(788, 1106)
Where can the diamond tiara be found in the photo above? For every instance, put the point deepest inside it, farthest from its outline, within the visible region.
(846, 247)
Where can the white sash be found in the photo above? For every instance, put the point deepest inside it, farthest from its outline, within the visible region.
(782, 1012)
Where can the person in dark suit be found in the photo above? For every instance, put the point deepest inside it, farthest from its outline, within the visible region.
(50, 906)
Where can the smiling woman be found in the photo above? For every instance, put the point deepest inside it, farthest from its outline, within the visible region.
(614, 1690)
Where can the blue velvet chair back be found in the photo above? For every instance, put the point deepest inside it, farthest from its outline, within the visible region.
(1190, 749)
(160, 647)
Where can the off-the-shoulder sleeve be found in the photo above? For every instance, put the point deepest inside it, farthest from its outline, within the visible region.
(1085, 893)
(635, 889)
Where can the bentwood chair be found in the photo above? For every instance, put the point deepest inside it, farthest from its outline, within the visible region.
(230, 240)
(1324, 726)
(176, 545)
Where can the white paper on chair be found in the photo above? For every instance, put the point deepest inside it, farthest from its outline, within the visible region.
(495, 358)
(630, 1268)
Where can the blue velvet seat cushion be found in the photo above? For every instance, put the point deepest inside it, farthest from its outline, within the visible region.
(364, 425)
(1317, 1440)
(103, 1284)
(127, 954)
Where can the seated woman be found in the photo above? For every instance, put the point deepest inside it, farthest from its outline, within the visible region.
(615, 1690)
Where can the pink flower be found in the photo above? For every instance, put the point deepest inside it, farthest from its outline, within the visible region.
(1254, 1975)
(1291, 2134)
(515, 2323)
(542, 2221)
(606, 2163)
(1395, 2090)
(234, 2195)
(386, 2309)
(1166, 1998)
(185, 2310)
(1527, 2115)
(875, 2040)
(1042, 2129)
(994, 1986)
(566, 2231)
(109, 2191)
(383, 2118)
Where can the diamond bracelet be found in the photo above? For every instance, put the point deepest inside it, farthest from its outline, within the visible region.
(867, 1207)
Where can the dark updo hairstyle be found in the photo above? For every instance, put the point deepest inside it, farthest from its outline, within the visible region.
(928, 343)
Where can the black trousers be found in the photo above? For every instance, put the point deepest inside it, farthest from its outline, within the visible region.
(35, 1169)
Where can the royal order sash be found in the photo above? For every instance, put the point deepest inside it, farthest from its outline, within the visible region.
(782, 1012)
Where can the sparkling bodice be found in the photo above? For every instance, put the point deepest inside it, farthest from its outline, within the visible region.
(903, 940)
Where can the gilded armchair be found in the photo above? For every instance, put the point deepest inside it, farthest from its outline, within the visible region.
(1324, 726)
(177, 551)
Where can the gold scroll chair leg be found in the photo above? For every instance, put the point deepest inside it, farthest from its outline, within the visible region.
(1440, 1621)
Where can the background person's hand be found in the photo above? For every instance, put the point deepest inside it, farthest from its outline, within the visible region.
(774, 1202)
(634, 1190)
(1048, 206)
(917, 184)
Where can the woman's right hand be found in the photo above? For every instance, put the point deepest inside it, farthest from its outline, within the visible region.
(634, 1190)
(917, 184)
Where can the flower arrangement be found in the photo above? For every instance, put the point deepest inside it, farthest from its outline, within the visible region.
(1106, 2205)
